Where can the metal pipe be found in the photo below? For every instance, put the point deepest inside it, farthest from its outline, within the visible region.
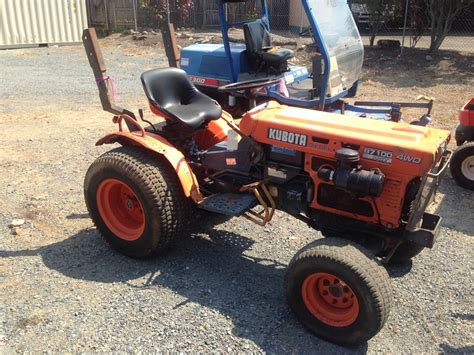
(135, 9)
(106, 16)
(265, 14)
(225, 37)
(318, 37)
(404, 27)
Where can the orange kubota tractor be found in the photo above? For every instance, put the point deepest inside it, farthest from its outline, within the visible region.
(364, 184)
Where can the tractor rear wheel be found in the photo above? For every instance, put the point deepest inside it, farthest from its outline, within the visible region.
(136, 201)
(339, 291)
(462, 166)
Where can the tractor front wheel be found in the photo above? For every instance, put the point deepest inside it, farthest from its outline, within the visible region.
(339, 291)
(462, 166)
(136, 201)
(405, 252)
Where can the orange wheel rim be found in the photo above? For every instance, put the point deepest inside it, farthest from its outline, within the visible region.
(120, 209)
(330, 299)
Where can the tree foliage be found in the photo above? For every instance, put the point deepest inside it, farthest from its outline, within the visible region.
(159, 9)
(181, 10)
(419, 20)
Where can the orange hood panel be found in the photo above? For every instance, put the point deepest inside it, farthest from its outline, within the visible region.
(405, 148)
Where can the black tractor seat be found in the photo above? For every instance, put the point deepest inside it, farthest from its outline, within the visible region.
(260, 49)
(172, 93)
(277, 55)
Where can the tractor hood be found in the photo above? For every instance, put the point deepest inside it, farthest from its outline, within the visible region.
(394, 148)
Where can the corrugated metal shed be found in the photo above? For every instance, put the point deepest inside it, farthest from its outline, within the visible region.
(33, 22)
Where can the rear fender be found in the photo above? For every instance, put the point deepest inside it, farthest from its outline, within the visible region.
(159, 145)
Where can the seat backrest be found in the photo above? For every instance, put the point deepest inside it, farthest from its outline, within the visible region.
(257, 37)
(167, 86)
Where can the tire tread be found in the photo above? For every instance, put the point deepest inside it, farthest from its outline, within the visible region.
(360, 261)
(161, 186)
(458, 157)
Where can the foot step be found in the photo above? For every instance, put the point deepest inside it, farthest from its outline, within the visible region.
(228, 203)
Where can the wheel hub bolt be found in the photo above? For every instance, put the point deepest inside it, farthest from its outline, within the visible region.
(335, 291)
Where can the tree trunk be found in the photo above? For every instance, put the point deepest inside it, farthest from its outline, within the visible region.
(375, 32)
(372, 39)
(442, 15)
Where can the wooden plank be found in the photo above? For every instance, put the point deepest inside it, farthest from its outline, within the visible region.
(97, 63)
(171, 45)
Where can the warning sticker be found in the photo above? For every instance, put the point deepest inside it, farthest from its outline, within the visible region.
(231, 161)
(382, 156)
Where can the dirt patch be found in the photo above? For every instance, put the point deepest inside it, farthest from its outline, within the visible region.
(30, 321)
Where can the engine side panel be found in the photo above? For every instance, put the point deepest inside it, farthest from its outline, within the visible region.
(400, 151)
(385, 209)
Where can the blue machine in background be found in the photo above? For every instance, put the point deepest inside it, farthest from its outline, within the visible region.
(334, 75)
(209, 65)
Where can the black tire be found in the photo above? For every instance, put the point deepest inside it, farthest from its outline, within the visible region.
(464, 152)
(157, 188)
(357, 268)
(405, 252)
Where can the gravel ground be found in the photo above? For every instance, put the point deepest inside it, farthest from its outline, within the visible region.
(64, 289)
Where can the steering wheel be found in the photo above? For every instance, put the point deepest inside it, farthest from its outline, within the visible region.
(249, 88)
(249, 85)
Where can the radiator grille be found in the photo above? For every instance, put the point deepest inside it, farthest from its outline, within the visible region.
(391, 195)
